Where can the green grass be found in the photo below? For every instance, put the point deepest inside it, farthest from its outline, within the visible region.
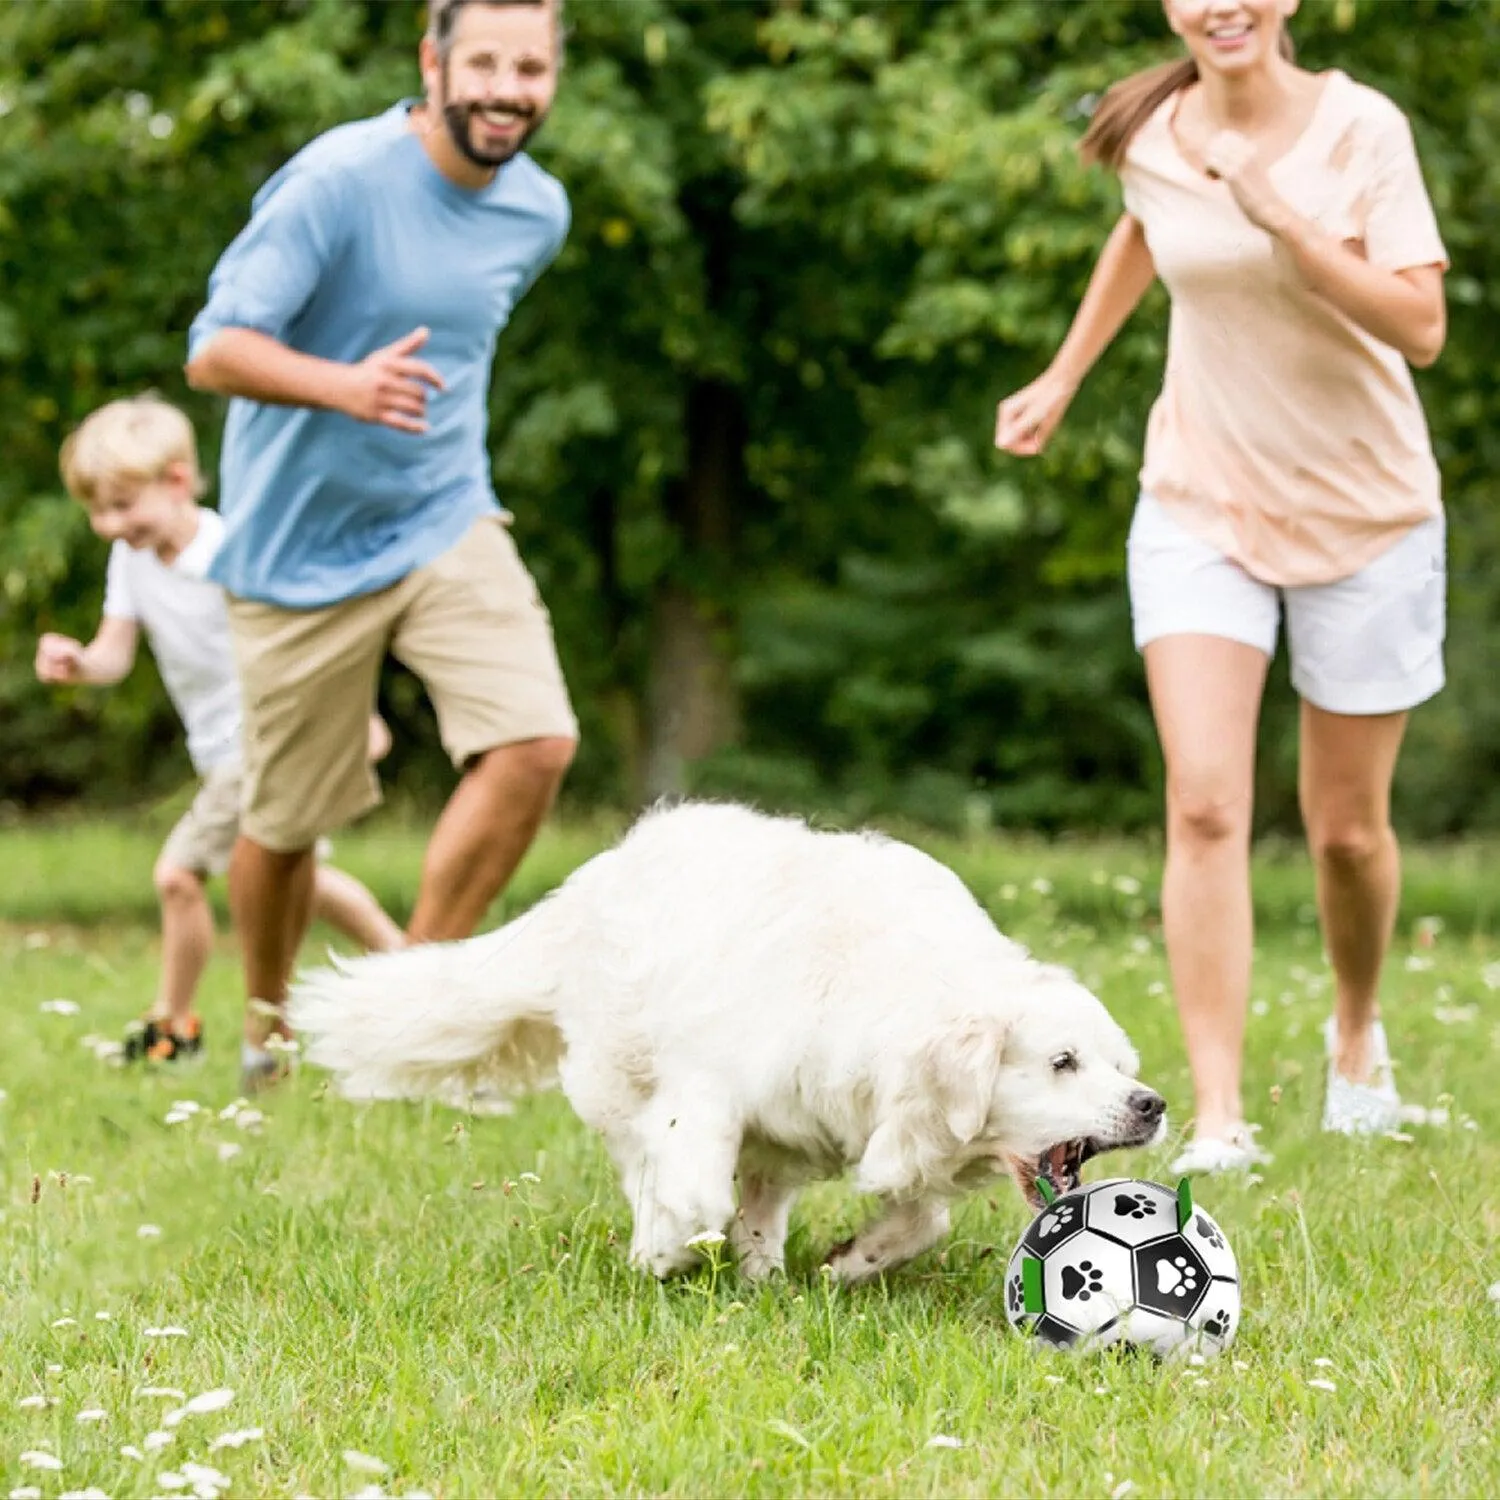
(391, 1281)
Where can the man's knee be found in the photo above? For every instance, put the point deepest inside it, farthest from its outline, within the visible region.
(538, 764)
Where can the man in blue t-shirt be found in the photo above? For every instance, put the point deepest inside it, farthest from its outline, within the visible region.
(353, 322)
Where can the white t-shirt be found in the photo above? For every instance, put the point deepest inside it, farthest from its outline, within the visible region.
(185, 620)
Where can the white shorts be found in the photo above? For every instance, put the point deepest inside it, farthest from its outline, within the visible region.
(1371, 643)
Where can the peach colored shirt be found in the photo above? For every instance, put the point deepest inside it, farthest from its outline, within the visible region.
(1285, 436)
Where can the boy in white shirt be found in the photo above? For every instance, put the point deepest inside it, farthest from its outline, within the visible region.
(134, 464)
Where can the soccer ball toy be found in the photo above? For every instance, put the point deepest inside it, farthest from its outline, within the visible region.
(1125, 1261)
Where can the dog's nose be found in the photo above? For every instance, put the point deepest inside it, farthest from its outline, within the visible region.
(1148, 1105)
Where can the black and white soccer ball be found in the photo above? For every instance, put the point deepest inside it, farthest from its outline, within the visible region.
(1125, 1261)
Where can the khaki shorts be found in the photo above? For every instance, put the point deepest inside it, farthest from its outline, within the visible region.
(470, 624)
(204, 835)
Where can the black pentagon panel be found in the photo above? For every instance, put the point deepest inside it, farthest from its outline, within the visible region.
(1055, 1225)
(1170, 1277)
(1057, 1334)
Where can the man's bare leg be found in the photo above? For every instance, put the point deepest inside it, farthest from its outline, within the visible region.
(270, 894)
(485, 829)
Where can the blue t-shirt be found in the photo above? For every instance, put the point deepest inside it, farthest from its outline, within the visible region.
(356, 241)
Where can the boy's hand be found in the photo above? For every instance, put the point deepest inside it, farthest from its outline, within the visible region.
(59, 658)
(389, 387)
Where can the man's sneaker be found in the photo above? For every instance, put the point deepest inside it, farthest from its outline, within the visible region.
(151, 1039)
(1361, 1108)
(262, 1068)
(1233, 1151)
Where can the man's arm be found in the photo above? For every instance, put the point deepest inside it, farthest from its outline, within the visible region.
(388, 387)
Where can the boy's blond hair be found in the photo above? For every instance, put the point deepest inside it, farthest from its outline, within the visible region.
(132, 440)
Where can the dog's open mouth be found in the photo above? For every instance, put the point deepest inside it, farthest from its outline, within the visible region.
(1060, 1166)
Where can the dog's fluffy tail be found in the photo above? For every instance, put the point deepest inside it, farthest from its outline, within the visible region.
(439, 1019)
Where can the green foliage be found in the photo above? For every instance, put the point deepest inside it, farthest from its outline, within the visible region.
(859, 224)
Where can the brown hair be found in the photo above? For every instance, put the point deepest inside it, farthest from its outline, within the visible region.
(1128, 104)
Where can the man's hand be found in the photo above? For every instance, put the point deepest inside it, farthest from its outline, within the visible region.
(59, 659)
(1233, 159)
(389, 387)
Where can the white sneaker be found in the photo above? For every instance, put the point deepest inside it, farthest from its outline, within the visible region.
(1234, 1151)
(1361, 1108)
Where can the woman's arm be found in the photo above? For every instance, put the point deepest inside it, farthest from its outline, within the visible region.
(1404, 309)
(1122, 275)
(1401, 308)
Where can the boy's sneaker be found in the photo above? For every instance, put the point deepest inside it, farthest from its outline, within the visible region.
(152, 1039)
(1361, 1108)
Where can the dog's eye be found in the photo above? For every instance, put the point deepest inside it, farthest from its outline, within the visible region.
(1065, 1062)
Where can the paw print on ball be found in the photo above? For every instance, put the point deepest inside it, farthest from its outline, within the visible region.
(1135, 1213)
(1218, 1325)
(1208, 1231)
(1209, 1241)
(1058, 1220)
(1053, 1226)
(1080, 1282)
(1177, 1277)
(1170, 1277)
(1015, 1297)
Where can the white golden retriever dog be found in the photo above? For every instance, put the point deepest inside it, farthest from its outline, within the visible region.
(729, 997)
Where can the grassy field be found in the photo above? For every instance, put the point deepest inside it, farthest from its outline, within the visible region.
(410, 1300)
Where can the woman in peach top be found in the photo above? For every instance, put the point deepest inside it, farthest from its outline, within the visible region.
(1287, 468)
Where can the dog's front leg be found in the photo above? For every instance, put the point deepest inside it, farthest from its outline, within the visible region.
(758, 1231)
(903, 1231)
(677, 1167)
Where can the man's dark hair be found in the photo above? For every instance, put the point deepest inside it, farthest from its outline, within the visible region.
(442, 16)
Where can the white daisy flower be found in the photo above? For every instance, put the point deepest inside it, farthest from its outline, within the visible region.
(131, 1451)
(146, 1392)
(37, 1458)
(237, 1439)
(944, 1440)
(1322, 1385)
(148, 1232)
(170, 1331)
(153, 1442)
(92, 1414)
(365, 1463)
(59, 1007)
(36, 1403)
(210, 1401)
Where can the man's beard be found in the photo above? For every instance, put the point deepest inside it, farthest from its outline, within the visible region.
(457, 116)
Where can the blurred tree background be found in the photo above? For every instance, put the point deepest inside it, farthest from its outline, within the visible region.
(745, 421)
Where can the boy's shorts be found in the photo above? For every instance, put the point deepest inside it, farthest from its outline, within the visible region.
(1371, 643)
(204, 835)
(470, 625)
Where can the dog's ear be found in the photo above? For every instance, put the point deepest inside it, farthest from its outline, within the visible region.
(964, 1070)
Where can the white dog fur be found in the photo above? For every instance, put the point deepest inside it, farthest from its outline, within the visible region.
(727, 996)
